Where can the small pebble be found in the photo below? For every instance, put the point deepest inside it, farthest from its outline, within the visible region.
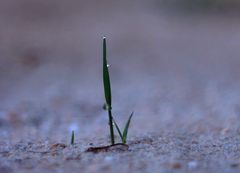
(108, 158)
(192, 164)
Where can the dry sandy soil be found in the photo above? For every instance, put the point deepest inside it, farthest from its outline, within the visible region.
(175, 152)
(177, 69)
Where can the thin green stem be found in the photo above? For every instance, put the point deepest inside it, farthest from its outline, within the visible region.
(72, 138)
(111, 127)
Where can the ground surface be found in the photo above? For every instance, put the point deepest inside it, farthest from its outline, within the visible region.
(177, 70)
(168, 153)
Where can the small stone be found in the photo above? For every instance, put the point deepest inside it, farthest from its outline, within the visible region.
(192, 164)
(108, 158)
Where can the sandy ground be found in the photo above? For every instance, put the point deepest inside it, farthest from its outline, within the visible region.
(178, 71)
(153, 153)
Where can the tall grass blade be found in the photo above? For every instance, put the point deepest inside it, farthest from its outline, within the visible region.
(106, 78)
(107, 89)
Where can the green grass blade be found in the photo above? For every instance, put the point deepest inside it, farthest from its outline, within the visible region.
(107, 89)
(111, 127)
(106, 78)
(72, 138)
(125, 132)
(118, 129)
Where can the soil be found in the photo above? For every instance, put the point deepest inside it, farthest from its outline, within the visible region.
(173, 152)
(177, 70)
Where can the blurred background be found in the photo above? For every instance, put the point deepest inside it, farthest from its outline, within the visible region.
(174, 62)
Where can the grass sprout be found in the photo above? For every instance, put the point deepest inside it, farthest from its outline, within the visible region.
(72, 138)
(123, 135)
(108, 98)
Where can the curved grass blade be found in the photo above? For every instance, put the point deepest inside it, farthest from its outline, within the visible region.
(118, 129)
(123, 135)
(125, 132)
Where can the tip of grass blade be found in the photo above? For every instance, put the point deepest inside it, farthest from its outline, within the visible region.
(106, 77)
